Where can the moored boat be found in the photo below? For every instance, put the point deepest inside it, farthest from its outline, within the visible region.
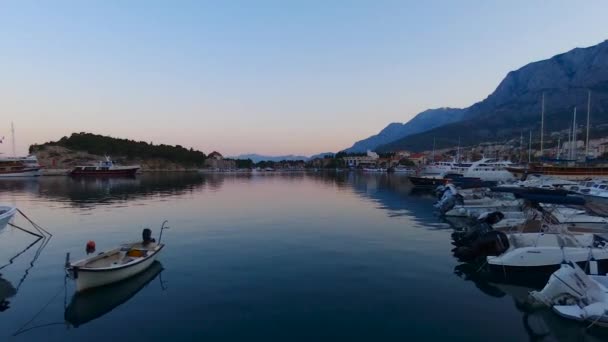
(19, 167)
(105, 168)
(116, 264)
(577, 172)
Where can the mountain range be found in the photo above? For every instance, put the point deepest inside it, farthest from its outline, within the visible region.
(424, 121)
(514, 107)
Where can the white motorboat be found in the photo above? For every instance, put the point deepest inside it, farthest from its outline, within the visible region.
(573, 294)
(543, 252)
(486, 169)
(115, 265)
(374, 169)
(474, 208)
(6, 215)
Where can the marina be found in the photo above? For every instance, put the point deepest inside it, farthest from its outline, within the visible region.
(230, 261)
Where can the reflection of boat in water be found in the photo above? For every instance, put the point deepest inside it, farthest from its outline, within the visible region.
(7, 290)
(87, 306)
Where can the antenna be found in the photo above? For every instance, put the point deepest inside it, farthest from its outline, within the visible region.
(542, 124)
(13, 138)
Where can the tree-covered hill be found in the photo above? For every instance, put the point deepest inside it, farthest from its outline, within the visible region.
(129, 149)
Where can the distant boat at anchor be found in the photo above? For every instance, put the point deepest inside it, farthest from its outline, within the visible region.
(105, 168)
(19, 167)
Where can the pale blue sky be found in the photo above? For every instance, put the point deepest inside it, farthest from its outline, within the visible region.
(271, 77)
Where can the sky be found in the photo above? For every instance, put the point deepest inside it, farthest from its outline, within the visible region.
(270, 77)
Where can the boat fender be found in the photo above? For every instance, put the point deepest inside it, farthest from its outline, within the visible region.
(90, 248)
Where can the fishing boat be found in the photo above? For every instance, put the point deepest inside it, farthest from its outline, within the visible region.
(573, 294)
(116, 264)
(19, 167)
(6, 215)
(105, 168)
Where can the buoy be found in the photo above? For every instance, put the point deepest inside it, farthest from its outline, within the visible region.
(90, 247)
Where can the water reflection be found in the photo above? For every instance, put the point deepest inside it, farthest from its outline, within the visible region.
(540, 323)
(7, 291)
(87, 306)
(88, 192)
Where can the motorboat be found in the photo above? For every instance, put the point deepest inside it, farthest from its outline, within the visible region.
(116, 264)
(573, 294)
(19, 167)
(400, 169)
(6, 215)
(89, 305)
(486, 169)
(544, 252)
(374, 169)
(105, 168)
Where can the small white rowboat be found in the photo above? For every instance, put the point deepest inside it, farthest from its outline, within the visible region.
(114, 265)
(117, 264)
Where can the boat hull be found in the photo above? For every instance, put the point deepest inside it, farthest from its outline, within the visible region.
(32, 172)
(120, 172)
(91, 278)
(7, 216)
(563, 172)
(546, 260)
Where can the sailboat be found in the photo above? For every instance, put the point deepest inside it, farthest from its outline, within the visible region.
(18, 166)
(574, 171)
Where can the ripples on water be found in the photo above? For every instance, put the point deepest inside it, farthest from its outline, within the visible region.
(257, 257)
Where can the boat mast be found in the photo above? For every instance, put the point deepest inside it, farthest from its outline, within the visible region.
(558, 146)
(530, 149)
(574, 135)
(458, 151)
(542, 124)
(13, 138)
(433, 149)
(521, 145)
(588, 113)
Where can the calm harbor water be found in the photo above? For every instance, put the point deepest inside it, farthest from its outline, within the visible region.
(256, 257)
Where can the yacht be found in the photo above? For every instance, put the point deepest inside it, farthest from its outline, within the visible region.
(486, 169)
(19, 167)
(440, 167)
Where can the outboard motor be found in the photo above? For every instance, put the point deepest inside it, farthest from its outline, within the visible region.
(146, 235)
(492, 243)
(491, 218)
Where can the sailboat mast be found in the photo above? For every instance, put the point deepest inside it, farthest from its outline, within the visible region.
(530, 149)
(588, 114)
(542, 125)
(574, 135)
(13, 138)
(458, 151)
(433, 149)
(521, 146)
(558, 147)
